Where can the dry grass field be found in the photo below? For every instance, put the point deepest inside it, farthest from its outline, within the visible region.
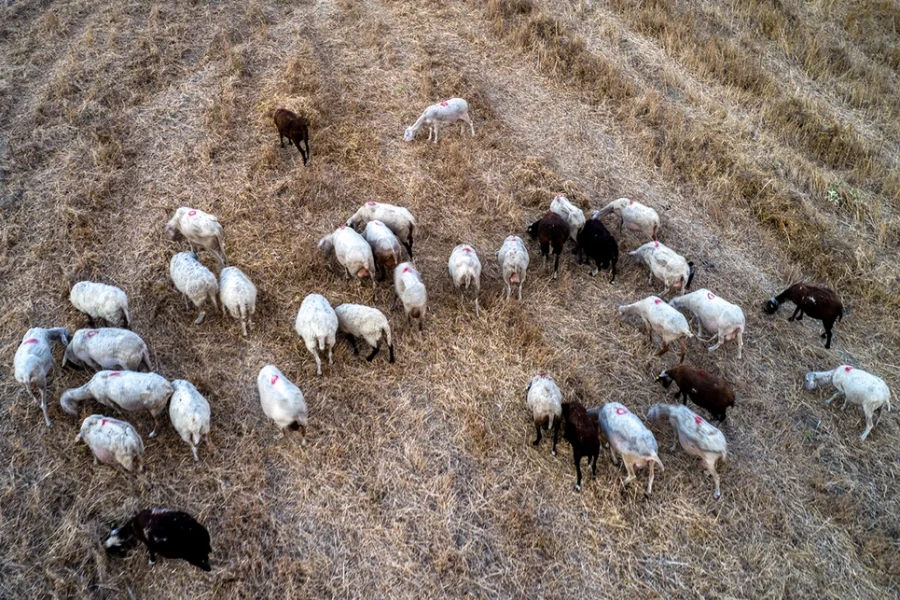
(766, 134)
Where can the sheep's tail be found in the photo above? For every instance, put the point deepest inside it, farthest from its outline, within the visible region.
(387, 334)
(655, 459)
(294, 426)
(220, 237)
(321, 340)
(195, 434)
(145, 358)
(127, 316)
(653, 235)
(468, 280)
(550, 422)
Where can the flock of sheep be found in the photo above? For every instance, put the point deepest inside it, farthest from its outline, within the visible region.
(118, 355)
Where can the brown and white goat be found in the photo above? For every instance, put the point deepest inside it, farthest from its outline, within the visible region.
(817, 302)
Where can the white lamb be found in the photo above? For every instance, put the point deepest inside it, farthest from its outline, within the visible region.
(125, 390)
(513, 258)
(697, 437)
(189, 413)
(667, 265)
(200, 228)
(717, 315)
(408, 288)
(398, 219)
(282, 401)
(101, 301)
(634, 215)
(628, 436)
(34, 359)
(385, 246)
(857, 387)
(317, 324)
(662, 318)
(352, 251)
(365, 322)
(112, 441)
(572, 215)
(465, 270)
(195, 281)
(238, 295)
(545, 401)
(107, 348)
(443, 113)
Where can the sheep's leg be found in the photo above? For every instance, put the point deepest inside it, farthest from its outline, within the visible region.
(556, 267)
(537, 428)
(844, 405)
(556, 437)
(577, 457)
(429, 133)
(43, 393)
(200, 318)
(375, 351)
(683, 350)
(711, 467)
(674, 444)
(281, 138)
(155, 425)
(408, 245)
(868, 410)
(352, 339)
(629, 468)
(650, 483)
(664, 349)
(650, 333)
(828, 337)
(330, 354)
(312, 349)
(612, 454)
(521, 282)
(740, 342)
(194, 451)
(477, 311)
(794, 316)
(435, 132)
(833, 398)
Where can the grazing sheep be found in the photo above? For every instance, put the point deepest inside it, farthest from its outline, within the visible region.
(200, 228)
(697, 437)
(169, 533)
(385, 247)
(408, 288)
(112, 441)
(398, 219)
(125, 390)
(634, 215)
(628, 436)
(107, 348)
(465, 270)
(195, 281)
(365, 322)
(581, 433)
(295, 128)
(817, 302)
(717, 315)
(444, 113)
(513, 258)
(704, 389)
(857, 387)
(550, 230)
(189, 413)
(662, 318)
(675, 272)
(570, 213)
(317, 324)
(282, 401)
(545, 401)
(598, 244)
(238, 295)
(101, 301)
(352, 251)
(34, 359)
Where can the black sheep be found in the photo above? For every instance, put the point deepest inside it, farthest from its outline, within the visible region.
(582, 433)
(170, 533)
(598, 244)
(295, 128)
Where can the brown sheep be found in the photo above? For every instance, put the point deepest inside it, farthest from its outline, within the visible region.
(582, 433)
(295, 128)
(817, 302)
(550, 230)
(704, 389)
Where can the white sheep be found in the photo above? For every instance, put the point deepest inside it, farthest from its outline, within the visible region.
(189, 413)
(667, 265)
(282, 401)
(385, 246)
(857, 387)
(112, 441)
(238, 295)
(572, 215)
(101, 301)
(697, 437)
(717, 315)
(634, 215)
(662, 318)
(107, 348)
(465, 270)
(447, 112)
(317, 324)
(396, 218)
(408, 288)
(365, 322)
(34, 359)
(200, 228)
(513, 258)
(195, 281)
(352, 251)
(628, 436)
(545, 401)
(125, 390)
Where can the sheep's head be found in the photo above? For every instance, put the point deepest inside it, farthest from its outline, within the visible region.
(69, 358)
(120, 541)
(68, 403)
(409, 134)
(595, 214)
(811, 381)
(533, 229)
(664, 379)
(771, 306)
(326, 245)
(657, 413)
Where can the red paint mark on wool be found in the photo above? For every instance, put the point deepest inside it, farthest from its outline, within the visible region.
(710, 295)
(370, 203)
(192, 213)
(698, 420)
(702, 373)
(445, 103)
(630, 202)
(274, 380)
(848, 369)
(343, 227)
(656, 244)
(467, 249)
(102, 422)
(621, 411)
(30, 341)
(657, 301)
(92, 333)
(407, 270)
(115, 374)
(542, 374)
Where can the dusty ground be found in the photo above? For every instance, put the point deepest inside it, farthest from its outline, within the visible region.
(766, 135)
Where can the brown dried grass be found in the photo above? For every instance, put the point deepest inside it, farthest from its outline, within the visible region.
(419, 478)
